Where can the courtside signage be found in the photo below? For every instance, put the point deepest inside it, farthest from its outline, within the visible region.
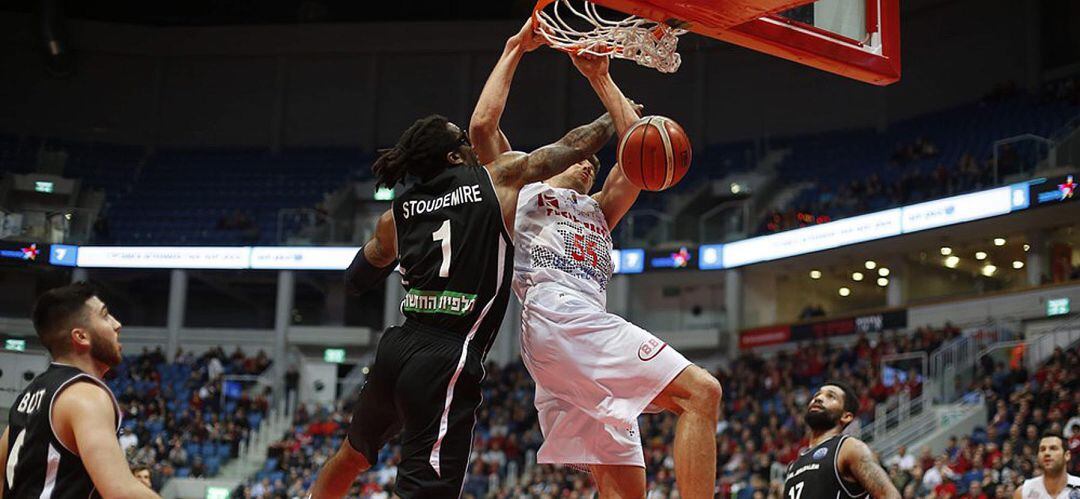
(814, 238)
(628, 261)
(843, 232)
(710, 257)
(164, 257)
(302, 258)
(64, 255)
(957, 209)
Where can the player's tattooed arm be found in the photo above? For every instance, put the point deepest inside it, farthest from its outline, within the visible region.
(517, 169)
(381, 250)
(486, 134)
(858, 463)
(375, 261)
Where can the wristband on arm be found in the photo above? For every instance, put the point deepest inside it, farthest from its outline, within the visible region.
(362, 275)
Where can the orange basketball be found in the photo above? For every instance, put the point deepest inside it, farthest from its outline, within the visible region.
(655, 153)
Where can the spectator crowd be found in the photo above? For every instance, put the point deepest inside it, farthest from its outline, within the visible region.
(761, 428)
(184, 418)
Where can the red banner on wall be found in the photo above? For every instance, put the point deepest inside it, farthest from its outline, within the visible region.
(822, 329)
(764, 336)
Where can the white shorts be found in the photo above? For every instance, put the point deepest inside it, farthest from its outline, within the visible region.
(595, 374)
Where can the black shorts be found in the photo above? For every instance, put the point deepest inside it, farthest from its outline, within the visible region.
(408, 390)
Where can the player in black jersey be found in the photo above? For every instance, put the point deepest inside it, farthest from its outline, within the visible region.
(835, 465)
(450, 233)
(61, 442)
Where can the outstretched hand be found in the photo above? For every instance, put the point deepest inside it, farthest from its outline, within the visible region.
(591, 66)
(528, 37)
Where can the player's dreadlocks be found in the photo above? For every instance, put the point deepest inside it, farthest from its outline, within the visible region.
(421, 152)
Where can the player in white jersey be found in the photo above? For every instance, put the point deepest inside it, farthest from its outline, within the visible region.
(594, 371)
(1054, 483)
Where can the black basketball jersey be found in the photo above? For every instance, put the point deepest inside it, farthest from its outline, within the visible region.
(38, 463)
(814, 475)
(455, 254)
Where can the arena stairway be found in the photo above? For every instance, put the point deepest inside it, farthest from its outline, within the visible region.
(930, 419)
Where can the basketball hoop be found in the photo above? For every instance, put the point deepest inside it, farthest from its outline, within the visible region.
(647, 42)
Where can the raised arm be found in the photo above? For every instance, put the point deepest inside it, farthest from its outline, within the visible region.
(374, 262)
(618, 193)
(83, 415)
(518, 169)
(487, 137)
(858, 463)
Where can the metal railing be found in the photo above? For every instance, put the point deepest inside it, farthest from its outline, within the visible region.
(1041, 348)
(1020, 155)
(1066, 148)
(890, 416)
(953, 364)
(949, 368)
(952, 367)
(1037, 350)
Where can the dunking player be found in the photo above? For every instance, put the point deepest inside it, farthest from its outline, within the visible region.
(61, 442)
(835, 465)
(450, 234)
(1054, 483)
(594, 371)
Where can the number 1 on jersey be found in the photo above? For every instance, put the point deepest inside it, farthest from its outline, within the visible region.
(13, 459)
(443, 235)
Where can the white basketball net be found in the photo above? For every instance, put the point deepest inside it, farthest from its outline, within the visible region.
(649, 43)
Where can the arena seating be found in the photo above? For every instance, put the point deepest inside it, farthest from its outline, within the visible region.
(992, 461)
(760, 431)
(918, 159)
(234, 196)
(181, 418)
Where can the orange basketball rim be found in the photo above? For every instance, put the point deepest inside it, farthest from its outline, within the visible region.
(858, 39)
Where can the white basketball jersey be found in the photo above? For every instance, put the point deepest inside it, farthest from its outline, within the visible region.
(561, 236)
(1034, 488)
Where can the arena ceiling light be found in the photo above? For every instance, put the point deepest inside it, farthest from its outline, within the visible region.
(952, 261)
(1017, 264)
(1026, 247)
(815, 274)
(883, 272)
(946, 251)
(856, 276)
(980, 255)
(988, 270)
(870, 265)
(844, 291)
(999, 241)
(882, 282)
(735, 188)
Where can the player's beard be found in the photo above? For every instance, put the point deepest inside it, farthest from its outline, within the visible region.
(104, 352)
(821, 420)
(1056, 467)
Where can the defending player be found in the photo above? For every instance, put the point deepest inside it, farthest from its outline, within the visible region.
(1054, 483)
(594, 371)
(61, 442)
(451, 234)
(835, 465)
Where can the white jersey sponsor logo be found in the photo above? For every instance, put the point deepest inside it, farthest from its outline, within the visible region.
(559, 232)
